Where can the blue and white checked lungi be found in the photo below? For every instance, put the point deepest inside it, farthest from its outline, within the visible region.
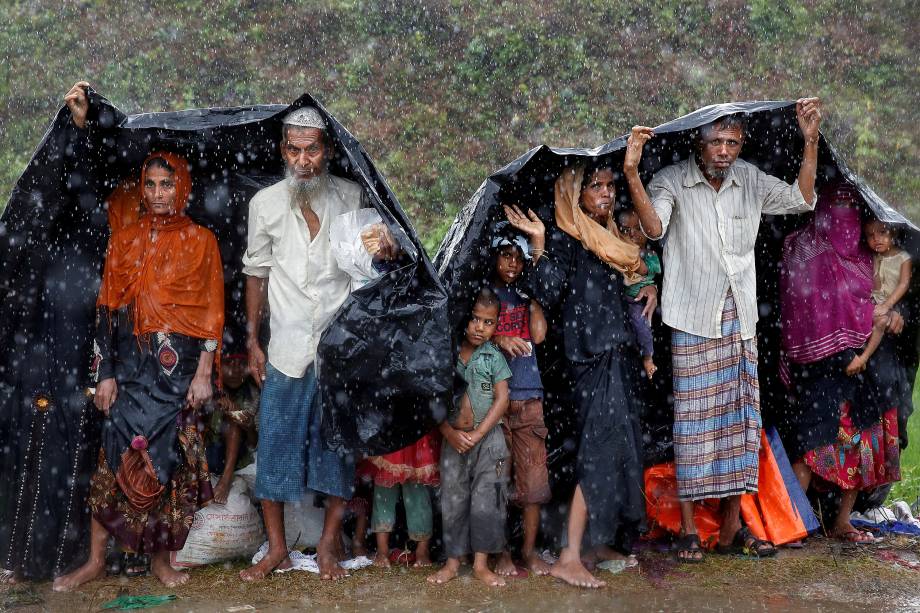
(291, 455)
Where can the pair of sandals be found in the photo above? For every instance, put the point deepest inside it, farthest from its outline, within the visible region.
(690, 550)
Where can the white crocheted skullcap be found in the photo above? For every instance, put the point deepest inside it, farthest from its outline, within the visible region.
(305, 117)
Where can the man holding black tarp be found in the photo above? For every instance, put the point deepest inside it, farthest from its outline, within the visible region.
(290, 263)
(707, 209)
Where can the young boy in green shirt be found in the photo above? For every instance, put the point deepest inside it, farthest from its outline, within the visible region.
(474, 466)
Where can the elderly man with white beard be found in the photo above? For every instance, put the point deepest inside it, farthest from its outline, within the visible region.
(289, 262)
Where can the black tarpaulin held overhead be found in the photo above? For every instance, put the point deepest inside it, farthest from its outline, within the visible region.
(385, 360)
(773, 143)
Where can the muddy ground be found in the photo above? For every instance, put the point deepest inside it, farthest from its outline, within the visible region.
(825, 576)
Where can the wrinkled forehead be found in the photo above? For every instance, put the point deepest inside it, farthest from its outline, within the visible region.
(721, 130)
(303, 137)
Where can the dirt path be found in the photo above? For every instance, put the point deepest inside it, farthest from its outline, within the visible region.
(826, 576)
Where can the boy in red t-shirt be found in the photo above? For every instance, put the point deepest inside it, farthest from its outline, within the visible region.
(521, 325)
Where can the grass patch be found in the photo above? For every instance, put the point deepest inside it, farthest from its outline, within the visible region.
(908, 488)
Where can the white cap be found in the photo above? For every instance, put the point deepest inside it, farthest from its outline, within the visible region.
(305, 117)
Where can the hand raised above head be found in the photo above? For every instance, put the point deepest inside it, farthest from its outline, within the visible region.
(78, 103)
(528, 223)
(634, 144)
(808, 113)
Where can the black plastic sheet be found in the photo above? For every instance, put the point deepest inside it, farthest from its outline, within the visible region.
(773, 143)
(384, 362)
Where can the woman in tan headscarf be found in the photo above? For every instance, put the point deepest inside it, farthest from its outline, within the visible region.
(579, 269)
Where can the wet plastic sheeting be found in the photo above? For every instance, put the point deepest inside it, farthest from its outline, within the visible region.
(385, 360)
(774, 143)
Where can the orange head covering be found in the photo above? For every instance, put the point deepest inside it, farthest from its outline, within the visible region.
(166, 268)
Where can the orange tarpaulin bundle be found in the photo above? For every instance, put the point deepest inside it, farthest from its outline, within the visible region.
(770, 513)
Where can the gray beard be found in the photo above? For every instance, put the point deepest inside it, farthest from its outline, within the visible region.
(712, 172)
(302, 189)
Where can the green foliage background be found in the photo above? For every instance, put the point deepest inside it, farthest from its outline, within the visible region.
(441, 93)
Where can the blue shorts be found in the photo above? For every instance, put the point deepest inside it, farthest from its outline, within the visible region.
(291, 456)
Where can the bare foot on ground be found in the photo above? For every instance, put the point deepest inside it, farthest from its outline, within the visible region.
(382, 559)
(504, 566)
(574, 573)
(605, 552)
(168, 576)
(328, 558)
(88, 572)
(448, 571)
(487, 576)
(274, 560)
(222, 489)
(422, 557)
(536, 564)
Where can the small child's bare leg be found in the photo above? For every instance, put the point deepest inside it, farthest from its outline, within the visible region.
(481, 571)
(648, 363)
(358, 541)
(422, 554)
(232, 438)
(382, 559)
(448, 571)
(532, 559)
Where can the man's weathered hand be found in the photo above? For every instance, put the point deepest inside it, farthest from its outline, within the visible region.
(106, 393)
(256, 362)
(379, 242)
(649, 293)
(78, 103)
(808, 112)
(514, 346)
(634, 144)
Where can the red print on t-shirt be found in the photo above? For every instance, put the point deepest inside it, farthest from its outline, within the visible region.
(514, 321)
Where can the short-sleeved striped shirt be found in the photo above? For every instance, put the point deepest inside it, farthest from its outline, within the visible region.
(709, 239)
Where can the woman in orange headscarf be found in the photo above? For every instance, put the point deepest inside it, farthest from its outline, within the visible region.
(159, 325)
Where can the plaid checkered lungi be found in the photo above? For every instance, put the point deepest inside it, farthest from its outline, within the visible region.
(716, 411)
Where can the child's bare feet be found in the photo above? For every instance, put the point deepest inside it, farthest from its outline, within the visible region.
(536, 564)
(168, 576)
(422, 556)
(482, 572)
(504, 566)
(382, 559)
(573, 572)
(649, 365)
(222, 489)
(448, 571)
(93, 569)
